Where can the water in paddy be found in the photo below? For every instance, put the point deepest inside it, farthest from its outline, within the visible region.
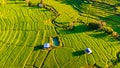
(56, 41)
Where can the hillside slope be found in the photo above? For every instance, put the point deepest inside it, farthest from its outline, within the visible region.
(24, 30)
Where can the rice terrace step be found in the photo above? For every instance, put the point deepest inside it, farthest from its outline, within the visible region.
(59, 34)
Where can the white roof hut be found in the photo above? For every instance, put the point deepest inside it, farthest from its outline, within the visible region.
(88, 50)
(40, 5)
(46, 45)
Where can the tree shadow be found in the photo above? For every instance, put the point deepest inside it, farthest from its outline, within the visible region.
(115, 61)
(113, 21)
(96, 66)
(45, 10)
(98, 35)
(38, 47)
(31, 7)
(118, 56)
(76, 29)
(78, 53)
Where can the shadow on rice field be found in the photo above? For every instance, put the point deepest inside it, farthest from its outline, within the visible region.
(113, 21)
(99, 35)
(78, 53)
(76, 29)
(38, 47)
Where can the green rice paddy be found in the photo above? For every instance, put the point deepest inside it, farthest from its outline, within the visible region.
(24, 30)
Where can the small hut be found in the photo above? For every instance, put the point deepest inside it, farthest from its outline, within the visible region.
(40, 5)
(88, 50)
(46, 45)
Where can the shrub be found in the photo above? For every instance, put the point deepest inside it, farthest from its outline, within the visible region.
(97, 25)
(81, 22)
(101, 24)
(108, 30)
(29, 4)
(118, 38)
(69, 28)
(93, 25)
(78, 21)
(114, 61)
(115, 35)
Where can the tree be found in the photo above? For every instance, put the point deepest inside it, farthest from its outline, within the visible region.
(108, 30)
(41, 2)
(97, 25)
(27, 1)
(115, 35)
(88, 1)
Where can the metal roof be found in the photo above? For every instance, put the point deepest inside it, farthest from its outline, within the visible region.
(46, 45)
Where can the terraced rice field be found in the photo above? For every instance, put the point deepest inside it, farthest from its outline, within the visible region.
(23, 30)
